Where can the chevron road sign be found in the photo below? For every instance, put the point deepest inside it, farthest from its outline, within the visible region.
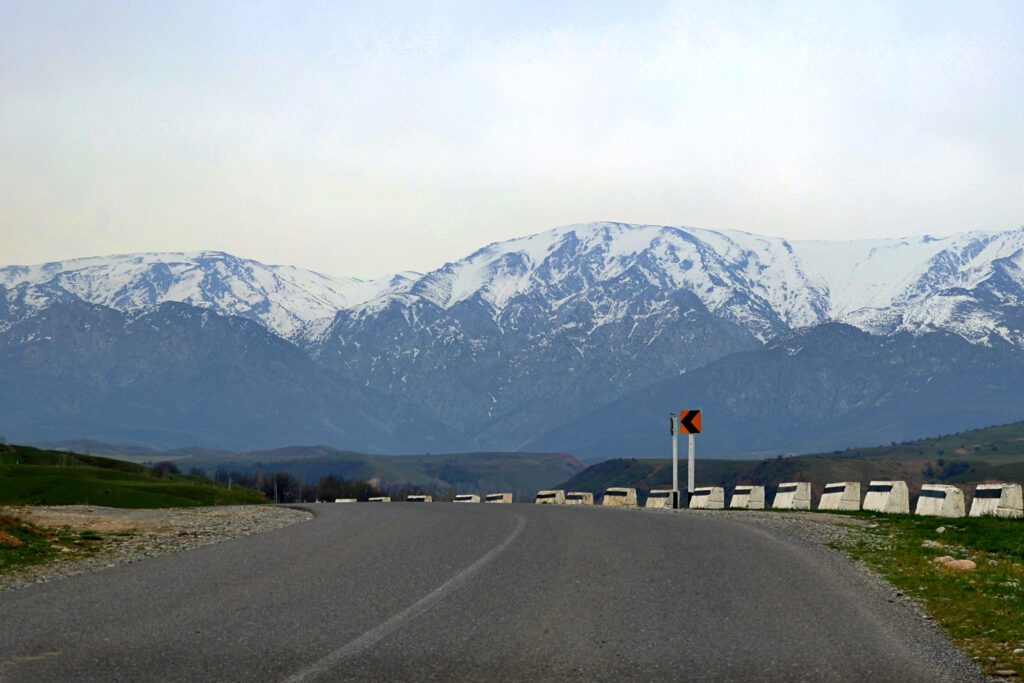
(689, 422)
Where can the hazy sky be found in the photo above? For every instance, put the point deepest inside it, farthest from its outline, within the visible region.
(364, 138)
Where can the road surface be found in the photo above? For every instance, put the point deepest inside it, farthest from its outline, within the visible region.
(486, 592)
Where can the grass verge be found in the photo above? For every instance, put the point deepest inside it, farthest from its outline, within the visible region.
(981, 610)
(31, 476)
(83, 485)
(23, 544)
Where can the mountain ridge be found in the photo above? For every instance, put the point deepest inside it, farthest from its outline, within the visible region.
(516, 343)
(786, 283)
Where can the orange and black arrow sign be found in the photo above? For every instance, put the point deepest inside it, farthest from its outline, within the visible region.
(689, 422)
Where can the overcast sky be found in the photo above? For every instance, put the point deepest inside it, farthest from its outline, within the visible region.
(365, 138)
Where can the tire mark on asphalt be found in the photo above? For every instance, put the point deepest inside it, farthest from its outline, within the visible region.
(381, 631)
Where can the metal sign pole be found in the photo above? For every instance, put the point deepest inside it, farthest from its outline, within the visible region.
(675, 461)
(690, 468)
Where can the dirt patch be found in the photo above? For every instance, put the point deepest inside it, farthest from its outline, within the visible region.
(94, 518)
(8, 541)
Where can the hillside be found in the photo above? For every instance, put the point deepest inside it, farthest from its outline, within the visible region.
(976, 456)
(826, 387)
(31, 476)
(521, 473)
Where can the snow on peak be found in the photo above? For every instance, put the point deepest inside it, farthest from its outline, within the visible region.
(289, 301)
(766, 284)
(760, 282)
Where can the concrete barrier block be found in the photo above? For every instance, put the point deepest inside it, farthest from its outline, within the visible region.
(660, 499)
(381, 499)
(498, 498)
(842, 495)
(708, 498)
(344, 500)
(579, 498)
(747, 498)
(793, 495)
(619, 496)
(550, 498)
(417, 498)
(467, 498)
(891, 497)
(998, 500)
(940, 500)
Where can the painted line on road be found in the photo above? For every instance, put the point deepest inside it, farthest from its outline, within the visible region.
(375, 635)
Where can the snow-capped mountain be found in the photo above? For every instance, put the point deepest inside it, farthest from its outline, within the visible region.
(523, 337)
(563, 320)
(289, 301)
(765, 284)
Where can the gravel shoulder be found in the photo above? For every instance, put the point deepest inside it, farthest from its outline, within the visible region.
(134, 535)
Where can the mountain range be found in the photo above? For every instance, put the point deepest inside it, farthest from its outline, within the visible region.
(580, 339)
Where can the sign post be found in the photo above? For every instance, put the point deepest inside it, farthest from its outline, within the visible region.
(690, 422)
(674, 430)
(690, 466)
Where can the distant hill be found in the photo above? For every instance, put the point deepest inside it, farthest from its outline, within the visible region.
(976, 456)
(520, 473)
(32, 476)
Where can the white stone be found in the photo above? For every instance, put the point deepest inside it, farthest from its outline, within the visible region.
(579, 498)
(619, 496)
(891, 497)
(843, 495)
(708, 498)
(550, 498)
(659, 500)
(998, 500)
(940, 500)
(747, 498)
(793, 495)
(505, 498)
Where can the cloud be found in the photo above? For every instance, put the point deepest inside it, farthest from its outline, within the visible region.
(358, 140)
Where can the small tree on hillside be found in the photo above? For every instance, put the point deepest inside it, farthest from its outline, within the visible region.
(165, 469)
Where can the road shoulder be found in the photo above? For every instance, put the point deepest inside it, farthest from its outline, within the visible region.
(132, 535)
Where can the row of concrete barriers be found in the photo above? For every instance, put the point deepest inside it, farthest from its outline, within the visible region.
(938, 500)
(422, 498)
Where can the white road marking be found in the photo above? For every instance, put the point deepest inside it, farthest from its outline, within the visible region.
(381, 631)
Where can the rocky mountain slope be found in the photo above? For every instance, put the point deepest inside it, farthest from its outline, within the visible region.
(515, 343)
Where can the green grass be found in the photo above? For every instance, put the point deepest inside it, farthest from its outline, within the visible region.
(995, 445)
(29, 476)
(981, 610)
(23, 544)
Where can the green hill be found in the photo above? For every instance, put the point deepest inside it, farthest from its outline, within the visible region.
(976, 456)
(521, 473)
(31, 476)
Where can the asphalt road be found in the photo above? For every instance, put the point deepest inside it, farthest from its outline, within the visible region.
(485, 592)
